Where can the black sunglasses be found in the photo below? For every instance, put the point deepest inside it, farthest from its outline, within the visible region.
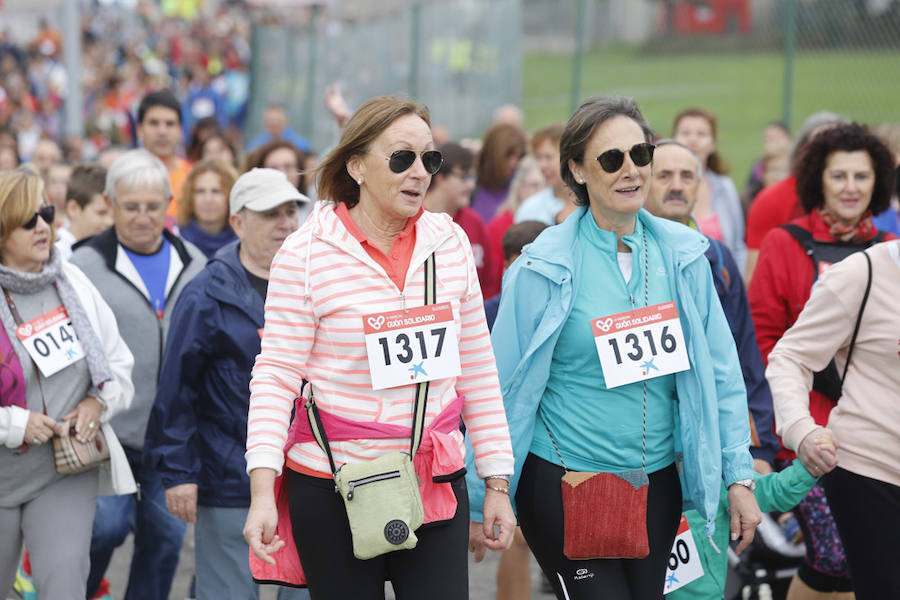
(47, 213)
(641, 155)
(401, 160)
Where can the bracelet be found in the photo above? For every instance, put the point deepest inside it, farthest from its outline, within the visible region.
(498, 489)
(502, 477)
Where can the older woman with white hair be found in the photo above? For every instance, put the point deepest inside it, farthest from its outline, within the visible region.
(63, 368)
(140, 268)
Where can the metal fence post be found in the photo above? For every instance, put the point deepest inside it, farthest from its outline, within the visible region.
(74, 121)
(415, 44)
(309, 102)
(789, 51)
(576, 63)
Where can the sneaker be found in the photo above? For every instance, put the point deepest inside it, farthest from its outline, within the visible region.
(102, 591)
(24, 585)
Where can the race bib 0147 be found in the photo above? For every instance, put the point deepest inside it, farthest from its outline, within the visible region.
(51, 341)
(411, 346)
(640, 344)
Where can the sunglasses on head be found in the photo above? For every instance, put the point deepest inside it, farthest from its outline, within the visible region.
(400, 160)
(47, 213)
(612, 160)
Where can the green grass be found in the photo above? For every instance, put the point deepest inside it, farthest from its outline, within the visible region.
(744, 90)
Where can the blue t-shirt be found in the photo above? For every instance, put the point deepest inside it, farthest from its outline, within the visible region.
(154, 271)
(596, 428)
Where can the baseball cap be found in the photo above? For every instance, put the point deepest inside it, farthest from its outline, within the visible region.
(262, 189)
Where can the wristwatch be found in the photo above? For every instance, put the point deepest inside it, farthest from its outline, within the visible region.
(747, 483)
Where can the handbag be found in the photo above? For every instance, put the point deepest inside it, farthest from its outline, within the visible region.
(381, 496)
(605, 514)
(70, 455)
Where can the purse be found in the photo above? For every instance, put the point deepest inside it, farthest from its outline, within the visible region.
(70, 455)
(605, 514)
(381, 496)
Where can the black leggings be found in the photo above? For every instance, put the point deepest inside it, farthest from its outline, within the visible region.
(867, 513)
(539, 502)
(437, 568)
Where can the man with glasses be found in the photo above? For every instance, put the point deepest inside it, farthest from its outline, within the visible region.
(451, 192)
(140, 268)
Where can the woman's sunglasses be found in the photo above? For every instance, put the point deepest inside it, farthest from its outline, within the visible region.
(400, 160)
(641, 155)
(47, 213)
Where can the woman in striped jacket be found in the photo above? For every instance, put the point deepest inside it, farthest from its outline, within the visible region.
(345, 312)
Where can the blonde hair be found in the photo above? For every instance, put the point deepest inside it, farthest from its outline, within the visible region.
(527, 165)
(21, 194)
(227, 176)
(367, 123)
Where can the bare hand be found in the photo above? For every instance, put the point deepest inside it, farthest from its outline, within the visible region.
(181, 500)
(497, 512)
(336, 104)
(818, 451)
(87, 418)
(745, 515)
(259, 531)
(39, 428)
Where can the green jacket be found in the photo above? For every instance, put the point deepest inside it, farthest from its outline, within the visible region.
(774, 492)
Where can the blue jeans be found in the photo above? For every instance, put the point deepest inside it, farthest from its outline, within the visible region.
(157, 535)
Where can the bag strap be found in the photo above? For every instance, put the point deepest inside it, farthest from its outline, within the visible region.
(862, 307)
(19, 321)
(419, 403)
(644, 383)
(805, 239)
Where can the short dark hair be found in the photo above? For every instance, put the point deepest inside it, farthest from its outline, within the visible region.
(519, 235)
(454, 155)
(85, 182)
(581, 128)
(159, 98)
(851, 137)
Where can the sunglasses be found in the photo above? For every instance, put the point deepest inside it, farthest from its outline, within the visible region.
(47, 213)
(641, 155)
(400, 160)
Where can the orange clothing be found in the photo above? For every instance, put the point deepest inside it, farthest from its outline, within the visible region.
(176, 180)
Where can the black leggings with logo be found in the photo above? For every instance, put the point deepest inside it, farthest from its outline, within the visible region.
(437, 568)
(539, 503)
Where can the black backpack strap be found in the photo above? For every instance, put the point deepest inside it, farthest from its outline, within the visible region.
(805, 239)
(862, 307)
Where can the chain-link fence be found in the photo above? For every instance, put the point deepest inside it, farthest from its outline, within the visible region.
(748, 61)
(460, 57)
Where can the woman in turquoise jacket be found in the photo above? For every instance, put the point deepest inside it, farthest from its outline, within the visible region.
(615, 356)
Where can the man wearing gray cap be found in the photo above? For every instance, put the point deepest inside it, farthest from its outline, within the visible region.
(198, 425)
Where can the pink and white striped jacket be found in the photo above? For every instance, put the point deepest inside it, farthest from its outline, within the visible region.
(321, 283)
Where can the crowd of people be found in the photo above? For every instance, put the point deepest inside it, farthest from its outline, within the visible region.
(549, 344)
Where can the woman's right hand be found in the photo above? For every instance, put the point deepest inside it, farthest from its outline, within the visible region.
(818, 451)
(39, 429)
(262, 518)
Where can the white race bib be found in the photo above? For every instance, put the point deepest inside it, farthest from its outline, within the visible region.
(640, 344)
(51, 341)
(411, 346)
(684, 561)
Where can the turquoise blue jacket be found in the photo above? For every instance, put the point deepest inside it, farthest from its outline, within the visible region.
(712, 427)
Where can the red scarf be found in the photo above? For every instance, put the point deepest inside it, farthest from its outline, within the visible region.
(862, 231)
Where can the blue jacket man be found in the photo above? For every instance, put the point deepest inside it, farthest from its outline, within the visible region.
(713, 433)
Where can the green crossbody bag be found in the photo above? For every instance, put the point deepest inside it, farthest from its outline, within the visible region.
(381, 496)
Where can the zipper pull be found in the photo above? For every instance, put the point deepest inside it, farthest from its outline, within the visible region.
(631, 297)
(350, 490)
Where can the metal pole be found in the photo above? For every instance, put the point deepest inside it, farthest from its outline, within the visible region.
(789, 51)
(415, 44)
(71, 30)
(576, 63)
(310, 100)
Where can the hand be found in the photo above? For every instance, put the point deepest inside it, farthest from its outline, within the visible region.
(87, 419)
(761, 466)
(336, 104)
(745, 515)
(181, 500)
(259, 531)
(818, 451)
(497, 512)
(39, 428)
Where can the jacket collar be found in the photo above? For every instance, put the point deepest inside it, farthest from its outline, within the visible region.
(228, 283)
(107, 244)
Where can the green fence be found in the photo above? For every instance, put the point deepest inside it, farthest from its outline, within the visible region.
(460, 57)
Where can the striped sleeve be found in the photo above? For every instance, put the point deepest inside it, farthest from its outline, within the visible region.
(287, 342)
(483, 411)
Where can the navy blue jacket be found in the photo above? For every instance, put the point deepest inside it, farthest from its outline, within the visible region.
(730, 288)
(198, 425)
